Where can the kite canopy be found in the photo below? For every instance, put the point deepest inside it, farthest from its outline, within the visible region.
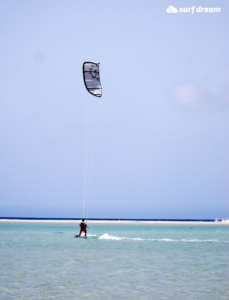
(91, 78)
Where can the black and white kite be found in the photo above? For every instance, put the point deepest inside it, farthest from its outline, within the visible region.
(91, 78)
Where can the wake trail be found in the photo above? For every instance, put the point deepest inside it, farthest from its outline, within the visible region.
(106, 236)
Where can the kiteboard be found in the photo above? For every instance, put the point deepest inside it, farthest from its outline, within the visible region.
(77, 236)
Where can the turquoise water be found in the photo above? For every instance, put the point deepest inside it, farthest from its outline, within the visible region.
(45, 261)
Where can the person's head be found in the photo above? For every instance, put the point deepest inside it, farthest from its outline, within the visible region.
(82, 220)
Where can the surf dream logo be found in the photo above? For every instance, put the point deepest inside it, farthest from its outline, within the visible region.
(173, 10)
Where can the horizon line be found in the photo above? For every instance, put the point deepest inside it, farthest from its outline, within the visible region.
(111, 219)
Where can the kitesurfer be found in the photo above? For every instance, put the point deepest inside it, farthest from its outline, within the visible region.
(83, 227)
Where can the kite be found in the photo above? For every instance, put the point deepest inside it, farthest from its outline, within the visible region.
(91, 78)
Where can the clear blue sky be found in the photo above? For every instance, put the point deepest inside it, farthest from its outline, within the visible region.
(158, 138)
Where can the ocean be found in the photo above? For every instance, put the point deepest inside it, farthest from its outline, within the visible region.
(117, 261)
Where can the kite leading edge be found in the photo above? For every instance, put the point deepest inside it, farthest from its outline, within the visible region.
(91, 78)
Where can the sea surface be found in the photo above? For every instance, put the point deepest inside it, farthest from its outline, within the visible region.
(116, 261)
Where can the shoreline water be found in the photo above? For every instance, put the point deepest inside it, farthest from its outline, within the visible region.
(42, 259)
(117, 221)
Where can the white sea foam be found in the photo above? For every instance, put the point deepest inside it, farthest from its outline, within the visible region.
(106, 236)
(163, 240)
(199, 241)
